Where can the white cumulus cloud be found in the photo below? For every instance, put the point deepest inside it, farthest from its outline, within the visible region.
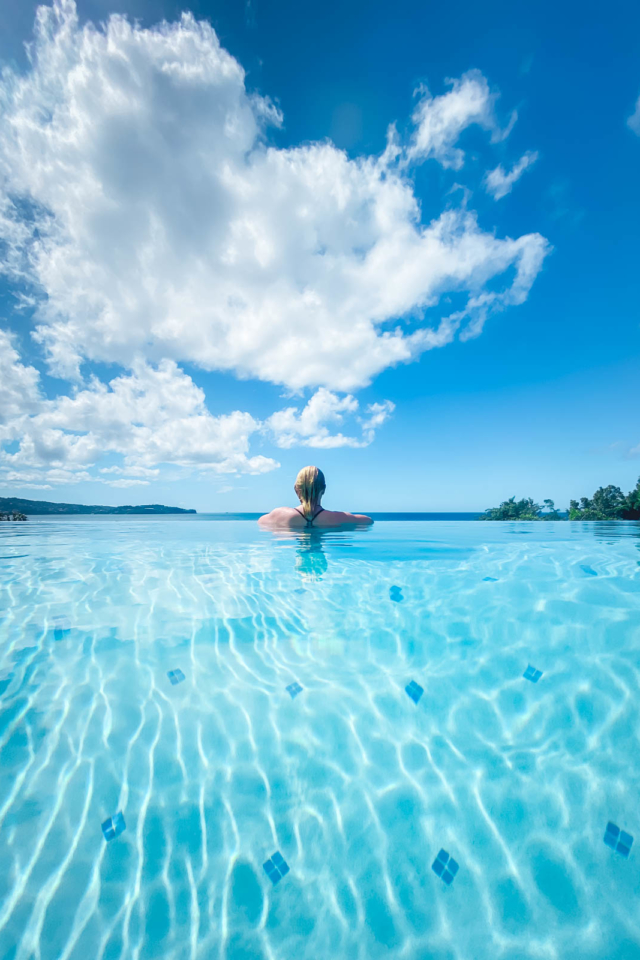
(150, 417)
(140, 198)
(19, 384)
(499, 182)
(439, 121)
(376, 415)
(127, 482)
(153, 415)
(308, 427)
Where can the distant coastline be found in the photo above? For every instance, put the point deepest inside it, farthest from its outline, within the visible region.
(43, 508)
(400, 516)
(37, 508)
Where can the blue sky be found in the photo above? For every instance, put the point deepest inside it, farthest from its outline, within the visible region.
(228, 277)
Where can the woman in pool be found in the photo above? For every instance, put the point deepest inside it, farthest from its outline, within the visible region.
(309, 487)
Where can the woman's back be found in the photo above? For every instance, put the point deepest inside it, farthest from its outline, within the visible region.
(292, 517)
(310, 487)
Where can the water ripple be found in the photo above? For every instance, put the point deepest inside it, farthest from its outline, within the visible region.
(355, 784)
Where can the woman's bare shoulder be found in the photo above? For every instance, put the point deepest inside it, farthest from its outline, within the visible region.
(280, 517)
(333, 518)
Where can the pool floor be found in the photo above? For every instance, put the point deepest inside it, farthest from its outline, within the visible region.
(419, 741)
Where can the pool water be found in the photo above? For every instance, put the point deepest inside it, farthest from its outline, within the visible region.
(429, 724)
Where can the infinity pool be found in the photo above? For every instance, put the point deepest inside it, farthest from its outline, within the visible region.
(461, 725)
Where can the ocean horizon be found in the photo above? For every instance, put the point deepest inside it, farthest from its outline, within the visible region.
(375, 515)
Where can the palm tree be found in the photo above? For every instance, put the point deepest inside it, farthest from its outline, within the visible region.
(552, 513)
(632, 506)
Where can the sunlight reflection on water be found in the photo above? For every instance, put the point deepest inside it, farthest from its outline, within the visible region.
(357, 784)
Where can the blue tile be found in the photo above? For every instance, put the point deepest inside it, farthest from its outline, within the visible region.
(395, 593)
(61, 628)
(445, 867)
(532, 674)
(414, 690)
(272, 872)
(625, 841)
(588, 570)
(281, 863)
(114, 826)
(490, 579)
(293, 690)
(619, 840)
(276, 867)
(176, 676)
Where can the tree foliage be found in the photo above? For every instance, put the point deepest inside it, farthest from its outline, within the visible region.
(607, 503)
(513, 509)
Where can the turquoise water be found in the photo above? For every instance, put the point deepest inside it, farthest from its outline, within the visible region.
(355, 784)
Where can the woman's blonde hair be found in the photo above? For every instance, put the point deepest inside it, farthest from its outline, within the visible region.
(309, 486)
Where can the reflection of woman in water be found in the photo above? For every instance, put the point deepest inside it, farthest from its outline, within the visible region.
(309, 487)
(311, 562)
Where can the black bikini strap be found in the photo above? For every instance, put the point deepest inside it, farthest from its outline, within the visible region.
(309, 521)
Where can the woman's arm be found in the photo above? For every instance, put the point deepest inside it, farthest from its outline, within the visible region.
(360, 518)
